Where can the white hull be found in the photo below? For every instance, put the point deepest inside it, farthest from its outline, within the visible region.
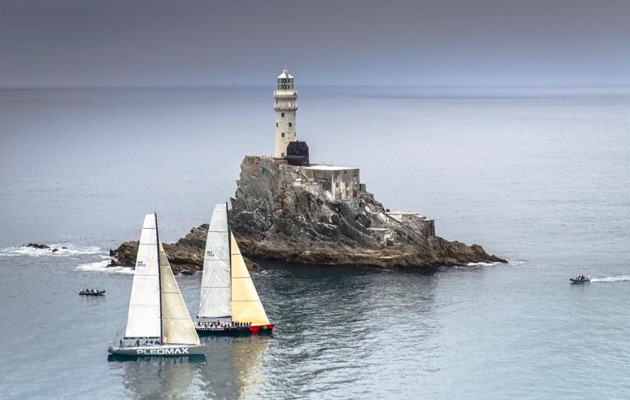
(167, 350)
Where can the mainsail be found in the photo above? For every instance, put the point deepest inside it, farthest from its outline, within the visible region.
(246, 305)
(177, 325)
(143, 320)
(215, 285)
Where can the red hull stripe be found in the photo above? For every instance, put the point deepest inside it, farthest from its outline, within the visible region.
(258, 328)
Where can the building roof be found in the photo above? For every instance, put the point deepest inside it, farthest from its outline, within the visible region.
(285, 74)
(330, 168)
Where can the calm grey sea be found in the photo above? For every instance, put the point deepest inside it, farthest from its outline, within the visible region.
(540, 176)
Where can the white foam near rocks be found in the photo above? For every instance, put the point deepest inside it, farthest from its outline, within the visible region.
(62, 250)
(103, 267)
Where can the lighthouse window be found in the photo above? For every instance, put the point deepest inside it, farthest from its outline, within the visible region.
(282, 134)
(282, 114)
(276, 124)
(290, 124)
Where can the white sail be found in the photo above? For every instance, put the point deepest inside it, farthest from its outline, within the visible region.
(144, 305)
(178, 328)
(215, 284)
(246, 305)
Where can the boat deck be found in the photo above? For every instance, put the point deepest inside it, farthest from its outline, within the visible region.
(234, 331)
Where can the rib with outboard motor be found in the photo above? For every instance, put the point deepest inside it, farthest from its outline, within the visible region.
(580, 279)
(91, 292)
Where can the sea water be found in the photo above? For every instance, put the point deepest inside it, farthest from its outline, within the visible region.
(539, 176)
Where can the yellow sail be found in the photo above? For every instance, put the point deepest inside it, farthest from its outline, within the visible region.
(246, 305)
(176, 323)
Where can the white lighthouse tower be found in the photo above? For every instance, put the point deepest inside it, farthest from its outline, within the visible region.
(285, 106)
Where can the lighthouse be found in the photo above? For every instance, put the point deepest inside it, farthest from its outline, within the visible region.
(285, 106)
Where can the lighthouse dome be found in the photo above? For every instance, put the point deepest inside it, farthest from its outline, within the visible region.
(285, 74)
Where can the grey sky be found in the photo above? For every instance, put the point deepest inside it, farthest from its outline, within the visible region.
(205, 42)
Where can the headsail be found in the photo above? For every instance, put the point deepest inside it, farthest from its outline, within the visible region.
(178, 327)
(215, 285)
(144, 305)
(246, 305)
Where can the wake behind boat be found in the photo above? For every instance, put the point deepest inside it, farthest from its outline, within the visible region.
(91, 292)
(158, 322)
(580, 279)
(229, 302)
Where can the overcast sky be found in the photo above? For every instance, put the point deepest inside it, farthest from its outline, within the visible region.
(357, 42)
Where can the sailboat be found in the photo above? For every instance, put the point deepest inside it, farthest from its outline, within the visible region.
(229, 303)
(158, 323)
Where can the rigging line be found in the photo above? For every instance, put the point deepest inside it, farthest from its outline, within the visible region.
(157, 237)
(229, 243)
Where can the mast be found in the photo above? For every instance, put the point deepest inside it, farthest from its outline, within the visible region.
(157, 235)
(229, 234)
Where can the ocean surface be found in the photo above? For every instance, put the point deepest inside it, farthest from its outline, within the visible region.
(539, 176)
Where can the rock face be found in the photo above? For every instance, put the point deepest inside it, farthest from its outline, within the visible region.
(185, 256)
(279, 213)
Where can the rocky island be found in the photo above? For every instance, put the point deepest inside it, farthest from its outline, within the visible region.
(288, 209)
(287, 213)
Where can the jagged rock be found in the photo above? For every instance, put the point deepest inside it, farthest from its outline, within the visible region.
(185, 256)
(38, 246)
(278, 213)
(42, 247)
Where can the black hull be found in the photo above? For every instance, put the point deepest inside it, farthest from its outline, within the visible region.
(236, 331)
(224, 332)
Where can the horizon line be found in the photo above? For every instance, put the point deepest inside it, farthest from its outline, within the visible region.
(245, 86)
